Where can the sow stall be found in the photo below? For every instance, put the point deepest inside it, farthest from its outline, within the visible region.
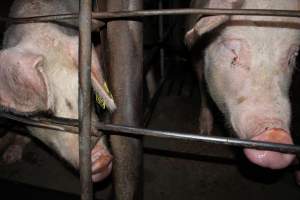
(127, 47)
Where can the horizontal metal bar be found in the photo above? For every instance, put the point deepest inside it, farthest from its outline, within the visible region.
(209, 139)
(42, 18)
(187, 11)
(62, 124)
(48, 124)
(148, 13)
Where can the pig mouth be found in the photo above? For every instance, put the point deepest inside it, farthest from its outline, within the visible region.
(271, 159)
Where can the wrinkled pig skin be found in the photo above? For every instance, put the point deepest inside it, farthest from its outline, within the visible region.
(247, 65)
(39, 74)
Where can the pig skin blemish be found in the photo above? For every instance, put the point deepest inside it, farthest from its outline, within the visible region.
(241, 99)
(68, 104)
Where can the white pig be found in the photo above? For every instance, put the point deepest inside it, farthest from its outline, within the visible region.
(39, 74)
(248, 63)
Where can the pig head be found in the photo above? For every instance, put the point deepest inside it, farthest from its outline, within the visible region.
(248, 65)
(27, 87)
(39, 74)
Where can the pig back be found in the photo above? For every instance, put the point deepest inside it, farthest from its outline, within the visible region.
(29, 8)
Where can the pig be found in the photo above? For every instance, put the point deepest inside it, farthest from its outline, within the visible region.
(247, 63)
(39, 76)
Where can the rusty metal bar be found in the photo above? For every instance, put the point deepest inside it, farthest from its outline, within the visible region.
(70, 125)
(125, 47)
(84, 101)
(147, 13)
(187, 11)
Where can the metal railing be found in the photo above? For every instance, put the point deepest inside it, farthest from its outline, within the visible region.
(117, 15)
(71, 126)
(83, 125)
(84, 98)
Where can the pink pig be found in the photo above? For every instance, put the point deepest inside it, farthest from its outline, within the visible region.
(39, 74)
(248, 64)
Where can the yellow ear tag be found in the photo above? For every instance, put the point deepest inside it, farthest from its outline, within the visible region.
(100, 100)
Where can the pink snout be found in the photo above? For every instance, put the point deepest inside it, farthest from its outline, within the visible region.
(271, 159)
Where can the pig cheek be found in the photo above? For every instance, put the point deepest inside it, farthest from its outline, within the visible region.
(286, 68)
(288, 62)
(233, 65)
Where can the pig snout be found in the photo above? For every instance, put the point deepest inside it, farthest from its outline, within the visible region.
(271, 159)
(101, 163)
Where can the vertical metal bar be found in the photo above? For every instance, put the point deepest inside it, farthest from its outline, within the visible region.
(125, 47)
(84, 105)
(161, 38)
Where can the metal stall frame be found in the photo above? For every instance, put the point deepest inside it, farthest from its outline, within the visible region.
(125, 68)
(84, 122)
(84, 98)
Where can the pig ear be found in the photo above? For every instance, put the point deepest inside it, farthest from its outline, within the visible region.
(103, 95)
(209, 23)
(23, 85)
(203, 26)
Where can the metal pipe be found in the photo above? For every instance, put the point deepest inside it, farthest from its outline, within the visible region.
(148, 13)
(62, 124)
(161, 37)
(187, 11)
(284, 148)
(84, 101)
(43, 18)
(125, 47)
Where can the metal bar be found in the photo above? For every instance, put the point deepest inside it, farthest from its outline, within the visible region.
(284, 148)
(187, 11)
(161, 37)
(148, 13)
(54, 124)
(84, 103)
(125, 47)
(43, 18)
(61, 123)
